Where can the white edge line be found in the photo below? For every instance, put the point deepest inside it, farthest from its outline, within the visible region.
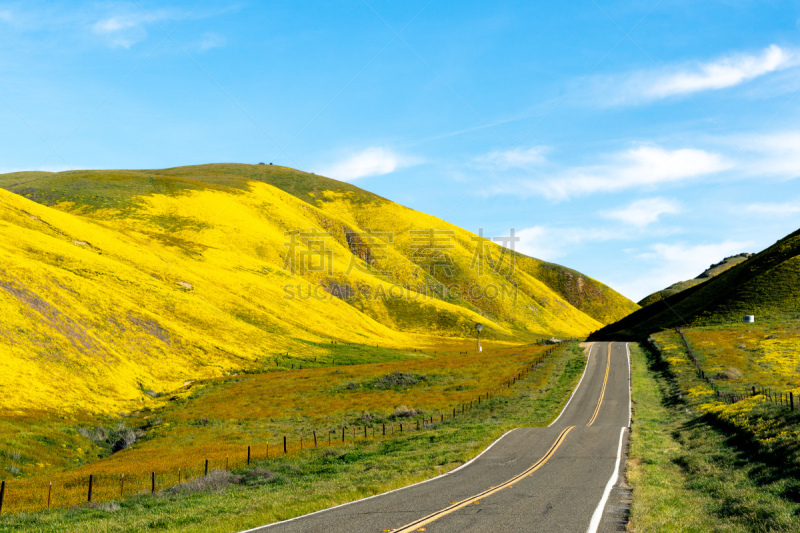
(576, 386)
(383, 493)
(598, 513)
(630, 410)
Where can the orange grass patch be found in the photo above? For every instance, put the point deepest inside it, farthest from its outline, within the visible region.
(259, 410)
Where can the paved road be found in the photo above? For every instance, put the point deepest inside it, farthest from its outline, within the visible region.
(532, 479)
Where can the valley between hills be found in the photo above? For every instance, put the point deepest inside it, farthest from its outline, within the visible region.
(225, 346)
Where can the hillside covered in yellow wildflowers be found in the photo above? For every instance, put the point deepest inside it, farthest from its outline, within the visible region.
(116, 283)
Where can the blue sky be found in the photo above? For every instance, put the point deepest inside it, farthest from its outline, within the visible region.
(636, 141)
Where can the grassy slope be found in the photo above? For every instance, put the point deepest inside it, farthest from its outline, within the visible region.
(713, 270)
(765, 285)
(315, 480)
(689, 474)
(115, 282)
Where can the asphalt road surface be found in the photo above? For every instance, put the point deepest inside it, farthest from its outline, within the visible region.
(553, 479)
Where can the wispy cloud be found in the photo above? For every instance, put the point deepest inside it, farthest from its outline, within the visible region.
(126, 29)
(519, 158)
(774, 154)
(549, 243)
(777, 209)
(373, 161)
(211, 40)
(6, 15)
(643, 166)
(675, 80)
(641, 213)
(671, 263)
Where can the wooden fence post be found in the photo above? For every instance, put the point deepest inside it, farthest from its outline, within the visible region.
(49, 491)
(384, 429)
(791, 401)
(122, 483)
(315, 438)
(284, 445)
(2, 494)
(248, 456)
(342, 433)
(91, 479)
(206, 470)
(152, 483)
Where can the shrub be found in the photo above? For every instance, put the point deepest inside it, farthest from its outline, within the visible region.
(114, 439)
(404, 412)
(216, 481)
(398, 380)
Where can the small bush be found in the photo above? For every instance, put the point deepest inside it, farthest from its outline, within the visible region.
(13, 455)
(109, 507)
(114, 439)
(731, 373)
(216, 481)
(405, 412)
(257, 476)
(397, 380)
(366, 417)
(13, 469)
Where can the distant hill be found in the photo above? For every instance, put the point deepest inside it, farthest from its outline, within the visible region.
(766, 284)
(113, 283)
(710, 272)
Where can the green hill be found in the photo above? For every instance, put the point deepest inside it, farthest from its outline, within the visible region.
(117, 282)
(765, 284)
(710, 272)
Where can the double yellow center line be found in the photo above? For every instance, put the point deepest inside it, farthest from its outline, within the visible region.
(414, 526)
(491, 490)
(603, 390)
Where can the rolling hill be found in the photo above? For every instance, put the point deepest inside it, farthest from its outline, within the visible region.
(765, 284)
(115, 283)
(710, 272)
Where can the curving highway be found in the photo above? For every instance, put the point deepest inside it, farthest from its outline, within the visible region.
(557, 478)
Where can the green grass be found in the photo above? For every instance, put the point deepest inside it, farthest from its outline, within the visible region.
(299, 484)
(689, 473)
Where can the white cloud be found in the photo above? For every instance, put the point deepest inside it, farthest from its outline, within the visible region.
(127, 29)
(676, 80)
(121, 30)
(211, 40)
(644, 166)
(641, 213)
(549, 244)
(373, 161)
(774, 154)
(774, 209)
(522, 158)
(672, 263)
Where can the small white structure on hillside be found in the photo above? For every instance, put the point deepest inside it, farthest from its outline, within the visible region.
(749, 318)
